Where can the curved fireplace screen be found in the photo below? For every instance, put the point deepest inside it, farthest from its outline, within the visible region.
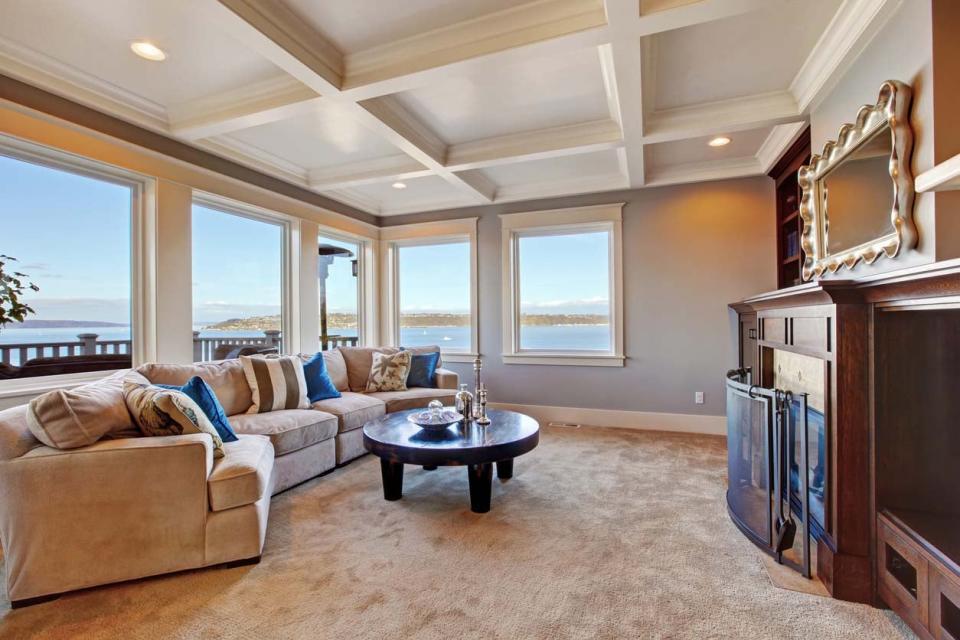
(762, 424)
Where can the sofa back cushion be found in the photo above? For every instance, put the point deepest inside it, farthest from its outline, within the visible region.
(337, 369)
(225, 377)
(277, 383)
(71, 418)
(359, 362)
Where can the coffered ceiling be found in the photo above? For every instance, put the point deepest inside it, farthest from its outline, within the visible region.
(464, 102)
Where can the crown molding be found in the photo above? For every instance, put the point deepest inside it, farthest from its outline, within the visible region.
(390, 168)
(853, 26)
(45, 72)
(248, 106)
(555, 188)
(256, 158)
(777, 142)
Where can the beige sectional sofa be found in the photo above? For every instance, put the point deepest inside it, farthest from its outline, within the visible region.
(129, 507)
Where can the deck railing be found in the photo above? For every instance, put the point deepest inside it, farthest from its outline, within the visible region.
(89, 344)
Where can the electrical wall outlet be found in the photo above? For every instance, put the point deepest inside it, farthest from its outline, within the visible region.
(698, 397)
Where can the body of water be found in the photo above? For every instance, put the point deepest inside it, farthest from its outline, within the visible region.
(586, 337)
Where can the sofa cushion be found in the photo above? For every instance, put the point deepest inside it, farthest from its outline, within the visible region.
(225, 377)
(389, 372)
(352, 409)
(71, 418)
(201, 393)
(423, 368)
(337, 369)
(359, 360)
(413, 398)
(289, 430)
(320, 385)
(276, 383)
(243, 475)
(168, 412)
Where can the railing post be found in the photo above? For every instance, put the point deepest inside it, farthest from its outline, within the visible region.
(89, 341)
(273, 339)
(197, 347)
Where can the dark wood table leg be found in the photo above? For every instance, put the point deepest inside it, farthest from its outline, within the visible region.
(505, 469)
(392, 473)
(481, 481)
(429, 467)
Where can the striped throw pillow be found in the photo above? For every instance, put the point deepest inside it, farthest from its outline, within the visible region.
(275, 383)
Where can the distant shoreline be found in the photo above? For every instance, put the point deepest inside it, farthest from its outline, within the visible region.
(417, 321)
(62, 324)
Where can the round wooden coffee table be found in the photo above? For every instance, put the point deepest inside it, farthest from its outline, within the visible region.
(397, 441)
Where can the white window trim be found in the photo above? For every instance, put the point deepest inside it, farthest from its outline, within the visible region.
(367, 324)
(427, 233)
(608, 217)
(143, 256)
(289, 259)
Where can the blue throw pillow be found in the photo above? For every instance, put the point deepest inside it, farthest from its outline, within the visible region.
(423, 366)
(201, 393)
(319, 385)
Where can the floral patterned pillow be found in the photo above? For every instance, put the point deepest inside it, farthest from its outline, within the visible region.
(389, 372)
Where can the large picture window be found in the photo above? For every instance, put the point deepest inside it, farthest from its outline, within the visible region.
(69, 231)
(237, 283)
(431, 286)
(562, 303)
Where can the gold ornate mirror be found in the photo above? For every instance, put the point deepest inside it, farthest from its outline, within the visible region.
(857, 201)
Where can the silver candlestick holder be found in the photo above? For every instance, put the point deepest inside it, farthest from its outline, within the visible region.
(481, 407)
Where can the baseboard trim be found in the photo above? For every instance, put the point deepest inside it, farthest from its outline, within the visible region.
(640, 420)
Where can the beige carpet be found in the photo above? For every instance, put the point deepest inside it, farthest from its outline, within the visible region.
(602, 533)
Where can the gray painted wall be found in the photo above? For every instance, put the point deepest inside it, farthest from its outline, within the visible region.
(688, 252)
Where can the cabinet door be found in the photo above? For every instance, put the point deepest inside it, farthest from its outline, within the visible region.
(944, 606)
(902, 574)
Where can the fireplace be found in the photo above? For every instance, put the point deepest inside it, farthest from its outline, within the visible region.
(776, 454)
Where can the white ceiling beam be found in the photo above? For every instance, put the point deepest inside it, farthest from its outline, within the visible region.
(851, 29)
(690, 14)
(249, 106)
(622, 67)
(512, 28)
(703, 171)
(553, 142)
(390, 169)
(724, 116)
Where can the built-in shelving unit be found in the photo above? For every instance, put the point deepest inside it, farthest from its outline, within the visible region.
(943, 177)
(789, 223)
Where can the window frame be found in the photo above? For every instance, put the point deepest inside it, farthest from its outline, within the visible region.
(514, 226)
(392, 239)
(143, 256)
(290, 339)
(366, 321)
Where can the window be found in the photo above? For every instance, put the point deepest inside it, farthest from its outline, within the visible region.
(339, 291)
(432, 286)
(238, 282)
(561, 302)
(69, 225)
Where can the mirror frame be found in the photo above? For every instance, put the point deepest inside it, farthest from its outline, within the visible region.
(893, 109)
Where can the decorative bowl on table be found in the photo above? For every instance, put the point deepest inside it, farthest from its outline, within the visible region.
(434, 418)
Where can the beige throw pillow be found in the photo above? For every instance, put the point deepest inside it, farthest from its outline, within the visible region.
(275, 383)
(389, 372)
(167, 412)
(71, 418)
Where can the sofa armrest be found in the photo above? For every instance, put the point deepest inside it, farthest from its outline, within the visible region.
(116, 510)
(447, 379)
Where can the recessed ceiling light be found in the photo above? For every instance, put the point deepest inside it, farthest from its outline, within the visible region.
(399, 185)
(148, 50)
(719, 141)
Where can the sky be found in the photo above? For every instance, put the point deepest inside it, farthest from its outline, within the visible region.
(71, 235)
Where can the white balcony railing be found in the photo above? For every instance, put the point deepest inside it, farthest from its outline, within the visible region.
(204, 348)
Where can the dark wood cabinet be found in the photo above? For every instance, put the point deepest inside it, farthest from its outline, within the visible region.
(891, 351)
(789, 224)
